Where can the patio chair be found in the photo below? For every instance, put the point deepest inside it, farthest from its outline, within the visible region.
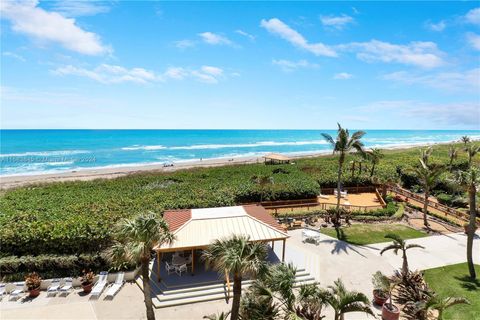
(53, 287)
(2, 290)
(100, 285)
(169, 268)
(66, 287)
(112, 291)
(17, 291)
(179, 270)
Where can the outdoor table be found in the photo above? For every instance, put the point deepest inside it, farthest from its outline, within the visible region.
(178, 261)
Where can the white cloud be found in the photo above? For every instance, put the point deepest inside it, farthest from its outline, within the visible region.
(474, 40)
(77, 8)
(277, 27)
(450, 81)
(112, 74)
(245, 34)
(47, 26)
(439, 26)
(215, 39)
(473, 16)
(184, 44)
(342, 76)
(338, 22)
(288, 66)
(421, 54)
(13, 55)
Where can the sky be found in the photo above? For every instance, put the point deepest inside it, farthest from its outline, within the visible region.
(239, 65)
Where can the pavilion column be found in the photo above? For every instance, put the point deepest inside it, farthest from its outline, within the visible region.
(283, 251)
(193, 262)
(273, 244)
(159, 258)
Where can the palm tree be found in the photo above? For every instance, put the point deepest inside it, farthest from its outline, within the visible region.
(238, 256)
(343, 144)
(374, 155)
(262, 181)
(452, 154)
(428, 176)
(440, 304)
(472, 151)
(134, 241)
(311, 300)
(258, 303)
(425, 154)
(343, 301)
(469, 181)
(281, 280)
(465, 140)
(400, 244)
(219, 316)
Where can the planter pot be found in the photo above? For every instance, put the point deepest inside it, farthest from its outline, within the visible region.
(87, 288)
(378, 298)
(34, 292)
(390, 314)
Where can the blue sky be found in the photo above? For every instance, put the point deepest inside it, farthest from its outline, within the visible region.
(302, 65)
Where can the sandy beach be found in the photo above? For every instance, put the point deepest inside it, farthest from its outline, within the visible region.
(9, 182)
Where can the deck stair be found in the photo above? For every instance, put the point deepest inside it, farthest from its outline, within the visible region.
(164, 296)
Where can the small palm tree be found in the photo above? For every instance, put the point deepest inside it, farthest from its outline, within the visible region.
(238, 256)
(469, 181)
(472, 151)
(452, 154)
(219, 316)
(400, 244)
(343, 301)
(344, 143)
(281, 280)
(374, 155)
(311, 300)
(428, 176)
(425, 154)
(465, 140)
(440, 304)
(262, 181)
(258, 303)
(134, 241)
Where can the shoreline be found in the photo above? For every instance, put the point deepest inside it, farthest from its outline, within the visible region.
(14, 181)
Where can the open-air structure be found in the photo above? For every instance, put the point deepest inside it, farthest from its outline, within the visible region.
(276, 158)
(196, 229)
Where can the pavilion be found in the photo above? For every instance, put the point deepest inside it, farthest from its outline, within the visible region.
(196, 229)
(276, 158)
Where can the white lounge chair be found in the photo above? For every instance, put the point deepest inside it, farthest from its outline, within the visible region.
(17, 291)
(100, 285)
(179, 270)
(169, 268)
(66, 287)
(112, 291)
(323, 196)
(53, 287)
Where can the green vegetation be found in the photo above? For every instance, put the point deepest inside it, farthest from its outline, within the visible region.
(362, 234)
(454, 280)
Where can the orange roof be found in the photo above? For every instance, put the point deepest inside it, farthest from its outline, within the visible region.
(259, 212)
(177, 218)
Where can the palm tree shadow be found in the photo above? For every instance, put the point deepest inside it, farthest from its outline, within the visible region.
(468, 283)
(341, 245)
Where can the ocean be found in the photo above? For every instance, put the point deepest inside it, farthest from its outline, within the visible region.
(28, 152)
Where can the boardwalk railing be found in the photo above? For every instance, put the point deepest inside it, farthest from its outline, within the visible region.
(320, 206)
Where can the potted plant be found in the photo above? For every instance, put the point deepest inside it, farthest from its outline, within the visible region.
(389, 310)
(33, 281)
(381, 287)
(87, 281)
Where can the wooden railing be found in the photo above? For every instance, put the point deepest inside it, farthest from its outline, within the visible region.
(322, 206)
(350, 189)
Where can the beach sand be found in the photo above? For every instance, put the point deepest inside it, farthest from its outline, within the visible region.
(9, 182)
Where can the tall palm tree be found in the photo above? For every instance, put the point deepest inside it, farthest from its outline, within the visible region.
(465, 140)
(134, 241)
(374, 155)
(262, 181)
(472, 151)
(238, 256)
(343, 301)
(428, 176)
(452, 154)
(470, 180)
(400, 244)
(344, 143)
(440, 304)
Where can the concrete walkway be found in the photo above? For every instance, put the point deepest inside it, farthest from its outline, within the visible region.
(330, 260)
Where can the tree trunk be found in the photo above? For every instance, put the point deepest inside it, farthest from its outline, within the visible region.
(147, 291)
(471, 231)
(373, 170)
(425, 207)
(339, 183)
(237, 294)
(405, 263)
(384, 191)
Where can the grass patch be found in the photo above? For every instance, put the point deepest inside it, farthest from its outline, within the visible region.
(454, 281)
(372, 233)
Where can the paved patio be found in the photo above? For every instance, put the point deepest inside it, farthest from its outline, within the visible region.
(330, 260)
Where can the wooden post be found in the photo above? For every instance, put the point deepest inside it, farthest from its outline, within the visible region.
(283, 251)
(273, 244)
(159, 258)
(193, 262)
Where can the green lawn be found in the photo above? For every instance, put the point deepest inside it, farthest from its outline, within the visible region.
(372, 233)
(454, 281)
